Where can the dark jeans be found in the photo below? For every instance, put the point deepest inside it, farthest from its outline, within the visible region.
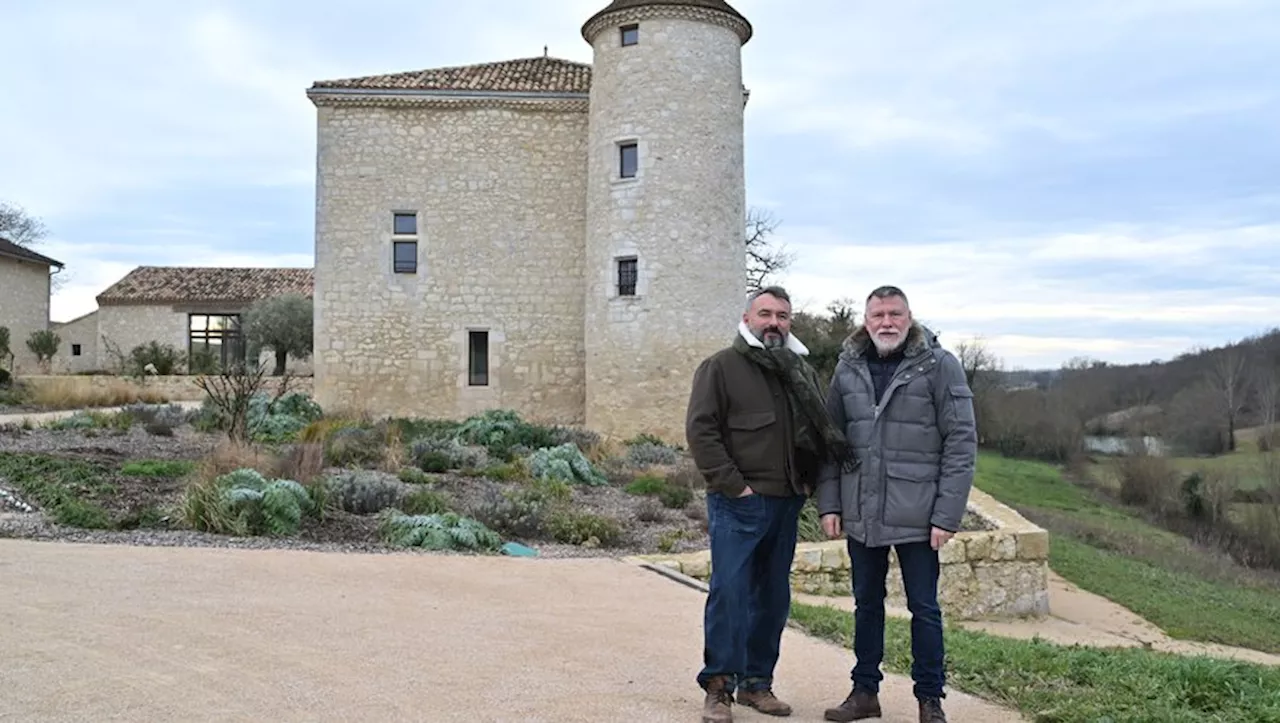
(919, 564)
(753, 542)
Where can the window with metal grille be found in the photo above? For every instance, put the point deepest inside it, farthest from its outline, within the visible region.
(627, 276)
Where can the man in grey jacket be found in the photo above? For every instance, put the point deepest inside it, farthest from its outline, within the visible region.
(907, 411)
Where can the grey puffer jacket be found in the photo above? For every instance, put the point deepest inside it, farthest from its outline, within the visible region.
(917, 450)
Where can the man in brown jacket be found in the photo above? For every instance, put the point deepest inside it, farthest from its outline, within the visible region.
(759, 433)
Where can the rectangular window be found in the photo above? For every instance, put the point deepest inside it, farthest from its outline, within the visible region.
(628, 160)
(214, 339)
(405, 224)
(405, 257)
(627, 276)
(478, 358)
(630, 34)
(75, 350)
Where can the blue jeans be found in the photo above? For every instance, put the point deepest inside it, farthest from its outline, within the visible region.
(919, 564)
(753, 542)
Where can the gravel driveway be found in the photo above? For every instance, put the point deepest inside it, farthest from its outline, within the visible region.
(105, 632)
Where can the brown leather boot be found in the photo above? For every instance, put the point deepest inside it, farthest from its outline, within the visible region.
(859, 705)
(764, 701)
(931, 711)
(718, 707)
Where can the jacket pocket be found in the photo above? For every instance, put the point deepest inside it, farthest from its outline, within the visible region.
(851, 494)
(909, 492)
(750, 441)
(962, 400)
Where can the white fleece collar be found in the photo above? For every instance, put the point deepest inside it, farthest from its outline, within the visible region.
(793, 343)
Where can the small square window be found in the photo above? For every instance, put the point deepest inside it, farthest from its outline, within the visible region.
(628, 160)
(75, 350)
(405, 257)
(478, 358)
(627, 276)
(630, 34)
(405, 224)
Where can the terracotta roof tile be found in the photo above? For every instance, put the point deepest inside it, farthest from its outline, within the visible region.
(14, 251)
(525, 75)
(170, 284)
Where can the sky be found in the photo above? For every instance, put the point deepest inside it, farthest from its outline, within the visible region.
(1057, 179)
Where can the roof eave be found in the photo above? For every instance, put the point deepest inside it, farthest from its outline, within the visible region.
(319, 93)
(34, 258)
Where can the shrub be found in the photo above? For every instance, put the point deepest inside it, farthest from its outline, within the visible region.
(650, 510)
(355, 447)
(364, 492)
(157, 468)
(423, 501)
(574, 527)
(244, 502)
(676, 497)
(647, 454)
(166, 359)
(6, 378)
(1147, 481)
(647, 485)
(565, 463)
(810, 523)
(584, 439)
(283, 420)
(504, 434)
(446, 531)
(414, 476)
(432, 454)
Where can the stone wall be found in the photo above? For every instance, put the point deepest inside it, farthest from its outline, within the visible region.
(82, 331)
(24, 308)
(498, 191)
(677, 94)
(172, 388)
(997, 573)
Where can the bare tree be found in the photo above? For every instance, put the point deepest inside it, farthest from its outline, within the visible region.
(763, 260)
(1267, 387)
(1229, 380)
(977, 361)
(20, 227)
(232, 391)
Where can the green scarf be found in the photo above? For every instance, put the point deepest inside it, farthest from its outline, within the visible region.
(814, 430)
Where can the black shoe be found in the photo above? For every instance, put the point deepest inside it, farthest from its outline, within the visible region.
(931, 711)
(859, 705)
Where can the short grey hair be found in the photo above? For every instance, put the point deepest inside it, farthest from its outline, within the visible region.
(887, 292)
(775, 291)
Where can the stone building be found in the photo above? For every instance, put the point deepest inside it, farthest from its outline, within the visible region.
(557, 238)
(196, 310)
(25, 287)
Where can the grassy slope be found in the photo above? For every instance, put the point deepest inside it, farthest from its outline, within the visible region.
(1189, 592)
(1060, 684)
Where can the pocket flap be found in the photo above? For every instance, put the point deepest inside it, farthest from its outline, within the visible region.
(961, 390)
(911, 471)
(749, 421)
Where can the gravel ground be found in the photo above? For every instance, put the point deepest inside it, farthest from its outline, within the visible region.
(133, 444)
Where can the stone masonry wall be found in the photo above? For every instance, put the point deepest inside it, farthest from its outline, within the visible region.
(24, 308)
(82, 331)
(1001, 573)
(678, 94)
(173, 388)
(499, 195)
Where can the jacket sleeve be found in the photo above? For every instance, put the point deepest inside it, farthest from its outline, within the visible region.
(953, 403)
(703, 432)
(829, 480)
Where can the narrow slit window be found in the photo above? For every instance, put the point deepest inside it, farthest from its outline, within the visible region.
(627, 277)
(628, 160)
(630, 34)
(478, 358)
(405, 257)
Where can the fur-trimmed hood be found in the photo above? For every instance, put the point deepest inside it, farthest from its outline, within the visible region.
(919, 340)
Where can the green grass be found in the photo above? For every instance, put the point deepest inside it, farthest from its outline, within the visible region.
(1189, 592)
(68, 490)
(158, 468)
(1052, 683)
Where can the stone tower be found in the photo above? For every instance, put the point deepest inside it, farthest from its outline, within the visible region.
(665, 271)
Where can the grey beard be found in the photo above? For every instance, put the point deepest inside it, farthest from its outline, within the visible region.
(773, 342)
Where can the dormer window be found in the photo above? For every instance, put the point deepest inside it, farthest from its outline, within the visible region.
(630, 35)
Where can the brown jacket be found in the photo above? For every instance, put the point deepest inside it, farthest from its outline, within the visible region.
(738, 427)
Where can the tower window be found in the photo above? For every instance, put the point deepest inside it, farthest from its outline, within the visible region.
(478, 358)
(405, 257)
(404, 224)
(630, 34)
(628, 159)
(627, 276)
(75, 350)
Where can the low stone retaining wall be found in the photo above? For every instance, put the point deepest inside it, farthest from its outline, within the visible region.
(174, 388)
(988, 574)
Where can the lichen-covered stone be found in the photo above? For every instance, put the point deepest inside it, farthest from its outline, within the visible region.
(1033, 545)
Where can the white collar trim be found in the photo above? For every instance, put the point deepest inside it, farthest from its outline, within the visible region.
(793, 343)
